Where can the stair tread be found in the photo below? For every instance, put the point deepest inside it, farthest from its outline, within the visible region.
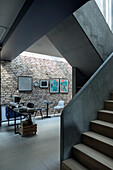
(99, 157)
(110, 101)
(100, 122)
(106, 111)
(74, 165)
(99, 137)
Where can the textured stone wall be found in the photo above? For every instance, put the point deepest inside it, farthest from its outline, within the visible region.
(38, 68)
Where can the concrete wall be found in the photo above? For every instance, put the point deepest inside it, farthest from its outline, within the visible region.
(84, 106)
(74, 45)
(38, 68)
(94, 25)
(106, 7)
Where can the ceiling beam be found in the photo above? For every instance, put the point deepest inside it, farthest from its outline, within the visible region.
(39, 19)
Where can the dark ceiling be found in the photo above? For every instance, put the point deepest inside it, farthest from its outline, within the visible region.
(24, 22)
(8, 13)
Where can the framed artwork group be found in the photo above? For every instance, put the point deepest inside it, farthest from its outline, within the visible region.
(58, 85)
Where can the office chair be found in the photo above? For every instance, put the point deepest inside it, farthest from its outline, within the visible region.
(59, 106)
(39, 110)
(30, 105)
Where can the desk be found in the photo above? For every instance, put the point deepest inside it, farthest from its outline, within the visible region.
(21, 113)
(47, 109)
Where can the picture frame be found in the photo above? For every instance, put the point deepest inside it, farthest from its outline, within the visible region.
(25, 83)
(54, 85)
(44, 83)
(63, 86)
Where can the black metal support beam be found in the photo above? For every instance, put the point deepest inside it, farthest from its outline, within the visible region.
(39, 19)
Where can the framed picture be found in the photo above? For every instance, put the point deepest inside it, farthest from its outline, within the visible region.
(25, 83)
(54, 85)
(63, 86)
(44, 83)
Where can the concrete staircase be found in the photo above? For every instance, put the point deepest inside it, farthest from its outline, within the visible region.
(96, 150)
(89, 24)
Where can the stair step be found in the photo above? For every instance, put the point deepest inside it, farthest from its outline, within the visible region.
(92, 158)
(102, 127)
(108, 105)
(111, 96)
(71, 164)
(105, 115)
(99, 142)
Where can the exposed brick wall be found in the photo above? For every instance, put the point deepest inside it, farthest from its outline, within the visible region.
(38, 68)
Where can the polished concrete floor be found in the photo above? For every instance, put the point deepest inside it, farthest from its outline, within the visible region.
(38, 152)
